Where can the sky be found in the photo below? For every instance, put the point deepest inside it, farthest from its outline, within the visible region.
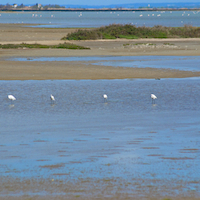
(92, 2)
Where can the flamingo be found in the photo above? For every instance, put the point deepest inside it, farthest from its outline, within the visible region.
(52, 97)
(153, 97)
(11, 97)
(105, 97)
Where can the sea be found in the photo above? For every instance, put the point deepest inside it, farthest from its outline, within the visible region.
(90, 19)
(83, 136)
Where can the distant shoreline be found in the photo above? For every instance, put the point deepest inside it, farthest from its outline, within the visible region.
(102, 9)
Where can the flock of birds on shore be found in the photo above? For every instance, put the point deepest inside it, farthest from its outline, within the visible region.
(12, 98)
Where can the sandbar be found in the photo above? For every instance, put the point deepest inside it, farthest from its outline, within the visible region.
(17, 70)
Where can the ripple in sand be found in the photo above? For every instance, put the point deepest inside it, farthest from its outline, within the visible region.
(40, 141)
(177, 158)
(53, 166)
(42, 160)
(135, 142)
(155, 155)
(65, 142)
(85, 134)
(150, 148)
(61, 174)
(64, 155)
(104, 138)
(189, 150)
(142, 139)
(14, 156)
(79, 140)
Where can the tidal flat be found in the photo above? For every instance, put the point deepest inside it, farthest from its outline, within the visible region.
(83, 147)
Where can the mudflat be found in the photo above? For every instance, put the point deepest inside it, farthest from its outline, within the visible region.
(26, 70)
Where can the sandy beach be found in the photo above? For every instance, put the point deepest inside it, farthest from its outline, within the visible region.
(14, 33)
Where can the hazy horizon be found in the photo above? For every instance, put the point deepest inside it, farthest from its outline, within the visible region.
(92, 3)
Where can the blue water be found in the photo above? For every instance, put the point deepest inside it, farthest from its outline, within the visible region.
(97, 19)
(138, 5)
(186, 63)
(84, 132)
(126, 137)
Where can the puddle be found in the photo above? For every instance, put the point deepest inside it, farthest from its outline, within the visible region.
(185, 63)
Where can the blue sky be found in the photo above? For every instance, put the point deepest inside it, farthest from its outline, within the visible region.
(91, 2)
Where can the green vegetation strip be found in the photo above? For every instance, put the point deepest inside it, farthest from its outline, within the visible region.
(59, 46)
(128, 31)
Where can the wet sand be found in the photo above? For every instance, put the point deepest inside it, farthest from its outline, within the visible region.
(12, 70)
(108, 188)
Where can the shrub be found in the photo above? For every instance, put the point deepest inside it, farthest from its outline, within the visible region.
(129, 31)
(24, 45)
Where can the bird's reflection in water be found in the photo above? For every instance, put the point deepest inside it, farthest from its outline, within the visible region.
(11, 106)
(105, 103)
(53, 104)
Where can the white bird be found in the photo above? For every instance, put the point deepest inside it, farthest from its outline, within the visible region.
(11, 97)
(105, 97)
(52, 97)
(153, 97)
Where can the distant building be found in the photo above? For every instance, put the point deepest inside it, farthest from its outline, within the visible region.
(14, 5)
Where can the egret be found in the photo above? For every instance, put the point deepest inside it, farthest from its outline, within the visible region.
(52, 97)
(105, 97)
(11, 97)
(153, 97)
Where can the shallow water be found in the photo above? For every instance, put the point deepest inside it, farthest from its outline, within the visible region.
(186, 63)
(97, 19)
(81, 136)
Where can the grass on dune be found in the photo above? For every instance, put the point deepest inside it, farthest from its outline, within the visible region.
(29, 46)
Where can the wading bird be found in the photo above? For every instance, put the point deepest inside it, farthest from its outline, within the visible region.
(11, 97)
(153, 97)
(52, 97)
(105, 97)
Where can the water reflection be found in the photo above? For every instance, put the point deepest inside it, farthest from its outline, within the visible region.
(11, 106)
(53, 104)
